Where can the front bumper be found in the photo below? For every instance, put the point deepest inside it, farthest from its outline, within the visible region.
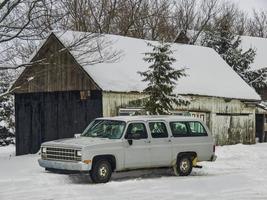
(71, 166)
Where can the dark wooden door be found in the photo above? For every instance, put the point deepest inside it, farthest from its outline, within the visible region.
(44, 117)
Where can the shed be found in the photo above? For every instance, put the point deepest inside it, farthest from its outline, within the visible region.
(57, 99)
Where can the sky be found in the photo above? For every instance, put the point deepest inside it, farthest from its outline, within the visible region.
(249, 5)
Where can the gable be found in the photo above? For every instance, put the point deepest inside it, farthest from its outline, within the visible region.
(53, 69)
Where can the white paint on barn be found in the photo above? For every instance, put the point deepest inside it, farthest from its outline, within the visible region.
(231, 121)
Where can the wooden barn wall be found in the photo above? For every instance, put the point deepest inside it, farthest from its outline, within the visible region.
(112, 101)
(231, 121)
(53, 69)
(44, 117)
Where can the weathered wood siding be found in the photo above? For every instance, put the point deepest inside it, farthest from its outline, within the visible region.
(230, 120)
(53, 69)
(48, 116)
(54, 98)
(112, 101)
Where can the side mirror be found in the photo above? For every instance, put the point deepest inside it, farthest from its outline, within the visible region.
(130, 141)
(129, 138)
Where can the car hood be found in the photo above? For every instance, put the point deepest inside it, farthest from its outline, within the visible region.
(78, 142)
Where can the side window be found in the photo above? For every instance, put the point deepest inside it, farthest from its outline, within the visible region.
(197, 129)
(136, 131)
(158, 130)
(179, 129)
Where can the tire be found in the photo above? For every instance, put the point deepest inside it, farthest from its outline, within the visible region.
(183, 166)
(101, 171)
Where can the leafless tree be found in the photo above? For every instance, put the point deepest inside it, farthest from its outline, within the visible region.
(20, 18)
(208, 11)
(158, 20)
(185, 14)
(241, 23)
(258, 24)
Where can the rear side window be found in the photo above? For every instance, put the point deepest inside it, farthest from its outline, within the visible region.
(187, 129)
(158, 130)
(137, 129)
(197, 129)
(179, 129)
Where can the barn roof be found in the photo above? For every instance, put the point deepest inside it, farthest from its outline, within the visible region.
(260, 45)
(208, 74)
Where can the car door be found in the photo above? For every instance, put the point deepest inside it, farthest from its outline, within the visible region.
(137, 154)
(160, 146)
(190, 136)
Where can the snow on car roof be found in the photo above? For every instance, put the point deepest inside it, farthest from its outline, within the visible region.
(260, 45)
(151, 118)
(207, 73)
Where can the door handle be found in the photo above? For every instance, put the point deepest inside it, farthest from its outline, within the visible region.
(148, 141)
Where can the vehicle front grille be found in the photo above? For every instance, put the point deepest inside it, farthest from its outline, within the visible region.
(60, 154)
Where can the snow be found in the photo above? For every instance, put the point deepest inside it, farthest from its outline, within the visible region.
(260, 45)
(238, 173)
(208, 73)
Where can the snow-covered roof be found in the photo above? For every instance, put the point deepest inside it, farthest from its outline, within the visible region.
(260, 45)
(208, 73)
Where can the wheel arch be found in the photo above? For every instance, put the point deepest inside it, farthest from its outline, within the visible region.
(109, 157)
(191, 154)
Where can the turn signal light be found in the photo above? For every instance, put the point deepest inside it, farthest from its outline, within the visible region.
(87, 161)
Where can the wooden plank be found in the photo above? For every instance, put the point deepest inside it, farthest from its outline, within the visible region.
(59, 72)
(48, 116)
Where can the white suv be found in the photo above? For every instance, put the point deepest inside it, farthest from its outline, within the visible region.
(132, 142)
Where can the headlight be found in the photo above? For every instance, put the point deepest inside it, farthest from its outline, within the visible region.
(79, 153)
(43, 149)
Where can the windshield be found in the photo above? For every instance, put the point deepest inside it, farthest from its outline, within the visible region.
(105, 129)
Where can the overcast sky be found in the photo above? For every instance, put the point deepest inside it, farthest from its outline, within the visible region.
(249, 5)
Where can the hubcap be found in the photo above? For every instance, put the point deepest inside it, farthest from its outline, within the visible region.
(103, 172)
(184, 165)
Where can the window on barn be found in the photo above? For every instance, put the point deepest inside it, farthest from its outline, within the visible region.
(84, 94)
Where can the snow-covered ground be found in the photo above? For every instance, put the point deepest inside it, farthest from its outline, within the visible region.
(239, 173)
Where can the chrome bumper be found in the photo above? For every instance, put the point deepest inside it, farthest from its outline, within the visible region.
(71, 166)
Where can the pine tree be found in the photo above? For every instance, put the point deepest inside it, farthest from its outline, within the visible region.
(6, 108)
(162, 79)
(227, 45)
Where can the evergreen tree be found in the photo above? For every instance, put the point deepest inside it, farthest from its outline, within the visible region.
(227, 45)
(6, 108)
(162, 79)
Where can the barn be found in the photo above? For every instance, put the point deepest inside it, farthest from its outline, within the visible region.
(260, 63)
(59, 93)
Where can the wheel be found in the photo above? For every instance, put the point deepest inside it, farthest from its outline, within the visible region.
(101, 171)
(183, 166)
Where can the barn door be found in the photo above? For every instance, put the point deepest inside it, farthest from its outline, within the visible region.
(232, 129)
(220, 128)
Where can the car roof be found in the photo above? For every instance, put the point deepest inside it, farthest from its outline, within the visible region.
(167, 118)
